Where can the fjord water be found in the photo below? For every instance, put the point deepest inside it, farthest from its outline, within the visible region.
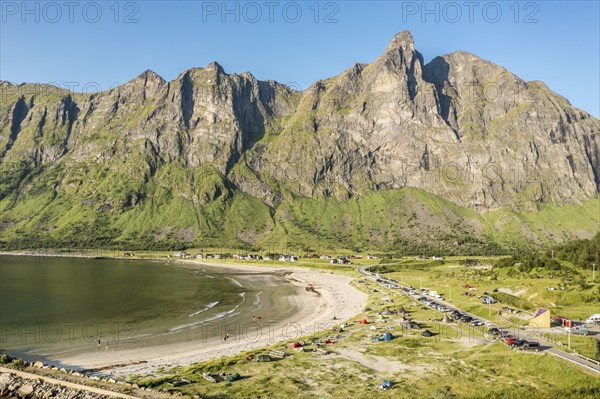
(50, 307)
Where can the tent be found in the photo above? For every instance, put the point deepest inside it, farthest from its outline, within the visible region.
(263, 358)
(541, 319)
(401, 310)
(295, 345)
(233, 377)
(446, 319)
(386, 311)
(386, 384)
(427, 333)
(412, 325)
(363, 321)
(388, 336)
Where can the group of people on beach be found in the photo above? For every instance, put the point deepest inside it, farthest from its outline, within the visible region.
(106, 346)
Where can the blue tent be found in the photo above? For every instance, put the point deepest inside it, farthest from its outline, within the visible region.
(387, 336)
(386, 384)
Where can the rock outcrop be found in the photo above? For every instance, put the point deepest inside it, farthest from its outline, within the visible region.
(459, 127)
(13, 386)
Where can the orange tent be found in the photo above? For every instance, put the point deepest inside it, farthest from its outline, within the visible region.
(363, 321)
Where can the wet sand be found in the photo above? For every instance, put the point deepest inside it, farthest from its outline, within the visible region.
(320, 296)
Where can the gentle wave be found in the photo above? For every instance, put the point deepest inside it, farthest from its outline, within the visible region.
(214, 317)
(235, 281)
(222, 314)
(257, 299)
(195, 324)
(204, 309)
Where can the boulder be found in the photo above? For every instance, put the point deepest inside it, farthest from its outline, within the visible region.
(25, 389)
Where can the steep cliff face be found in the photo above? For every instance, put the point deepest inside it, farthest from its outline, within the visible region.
(228, 158)
(459, 127)
(529, 143)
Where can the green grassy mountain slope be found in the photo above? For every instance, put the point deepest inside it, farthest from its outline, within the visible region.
(393, 155)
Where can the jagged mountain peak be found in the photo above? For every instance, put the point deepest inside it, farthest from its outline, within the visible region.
(403, 40)
(149, 74)
(212, 69)
(460, 128)
(215, 66)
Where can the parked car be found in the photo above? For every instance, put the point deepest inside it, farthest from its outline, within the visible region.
(476, 323)
(456, 315)
(531, 347)
(579, 330)
(563, 321)
(518, 343)
(494, 331)
(509, 340)
(466, 319)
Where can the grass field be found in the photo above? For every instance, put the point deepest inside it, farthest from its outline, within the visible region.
(458, 361)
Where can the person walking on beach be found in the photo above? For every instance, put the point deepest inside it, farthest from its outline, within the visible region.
(107, 346)
(98, 345)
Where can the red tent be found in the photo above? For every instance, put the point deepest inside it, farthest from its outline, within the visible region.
(295, 345)
(363, 321)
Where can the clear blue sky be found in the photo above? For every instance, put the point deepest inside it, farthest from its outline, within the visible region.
(553, 41)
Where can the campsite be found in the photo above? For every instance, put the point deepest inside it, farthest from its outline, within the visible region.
(407, 342)
(420, 349)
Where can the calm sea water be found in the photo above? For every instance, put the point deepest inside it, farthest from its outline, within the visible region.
(50, 306)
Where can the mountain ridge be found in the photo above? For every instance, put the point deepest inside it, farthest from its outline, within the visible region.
(459, 128)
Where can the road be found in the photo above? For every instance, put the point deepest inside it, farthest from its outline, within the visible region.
(548, 348)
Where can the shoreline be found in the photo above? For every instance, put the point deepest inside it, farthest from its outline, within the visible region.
(320, 296)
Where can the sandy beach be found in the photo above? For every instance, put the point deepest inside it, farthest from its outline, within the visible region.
(320, 296)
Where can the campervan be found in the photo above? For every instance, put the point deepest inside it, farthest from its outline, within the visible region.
(593, 319)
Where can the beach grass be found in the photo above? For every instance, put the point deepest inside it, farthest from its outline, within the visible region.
(448, 365)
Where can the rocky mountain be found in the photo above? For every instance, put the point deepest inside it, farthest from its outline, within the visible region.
(455, 155)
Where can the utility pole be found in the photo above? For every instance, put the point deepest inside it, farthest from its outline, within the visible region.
(593, 271)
